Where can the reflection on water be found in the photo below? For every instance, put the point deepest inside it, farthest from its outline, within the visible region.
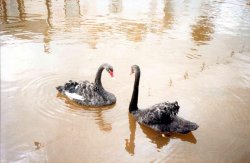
(115, 6)
(98, 112)
(130, 144)
(134, 31)
(72, 14)
(203, 29)
(94, 30)
(195, 52)
(3, 12)
(49, 12)
(168, 18)
(156, 138)
(21, 9)
(72, 9)
(47, 33)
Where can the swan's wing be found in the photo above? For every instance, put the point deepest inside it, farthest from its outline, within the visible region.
(74, 96)
(159, 113)
(178, 125)
(89, 93)
(83, 90)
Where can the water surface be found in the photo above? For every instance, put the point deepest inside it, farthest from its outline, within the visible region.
(195, 52)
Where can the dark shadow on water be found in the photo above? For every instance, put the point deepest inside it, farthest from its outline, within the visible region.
(155, 137)
(184, 137)
(98, 112)
(160, 140)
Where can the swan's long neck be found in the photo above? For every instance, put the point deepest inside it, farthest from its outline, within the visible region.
(99, 76)
(134, 99)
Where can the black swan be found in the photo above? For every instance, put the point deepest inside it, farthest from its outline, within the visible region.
(161, 117)
(89, 94)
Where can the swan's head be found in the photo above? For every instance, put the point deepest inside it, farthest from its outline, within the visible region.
(134, 69)
(109, 69)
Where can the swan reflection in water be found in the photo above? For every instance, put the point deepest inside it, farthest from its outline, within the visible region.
(156, 138)
(130, 144)
(100, 121)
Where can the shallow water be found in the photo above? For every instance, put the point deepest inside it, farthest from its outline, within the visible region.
(195, 52)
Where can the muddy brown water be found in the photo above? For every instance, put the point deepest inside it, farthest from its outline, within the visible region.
(195, 52)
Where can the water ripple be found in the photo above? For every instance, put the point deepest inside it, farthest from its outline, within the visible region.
(51, 104)
(43, 88)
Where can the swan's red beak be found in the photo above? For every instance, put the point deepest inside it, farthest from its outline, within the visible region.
(111, 74)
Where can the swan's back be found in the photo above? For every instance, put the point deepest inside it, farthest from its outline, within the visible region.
(86, 93)
(163, 118)
(177, 125)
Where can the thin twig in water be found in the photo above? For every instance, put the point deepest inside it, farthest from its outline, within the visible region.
(203, 66)
(232, 53)
(186, 75)
(170, 83)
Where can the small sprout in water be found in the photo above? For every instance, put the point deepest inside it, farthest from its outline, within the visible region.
(232, 53)
(203, 66)
(170, 83)
(38, 145)
(186, 75)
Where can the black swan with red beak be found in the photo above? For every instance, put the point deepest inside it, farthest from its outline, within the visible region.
(161, 117)
(89, 94)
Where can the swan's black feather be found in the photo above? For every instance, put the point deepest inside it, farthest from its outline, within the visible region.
(161, 117)
(158, 113)
(89, 93)
(86, 93)
(177, 124)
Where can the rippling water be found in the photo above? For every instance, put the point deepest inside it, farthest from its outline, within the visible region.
(195, 52)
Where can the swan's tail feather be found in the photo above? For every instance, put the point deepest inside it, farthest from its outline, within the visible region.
(60, 89)
(69, 86)
(183, 126)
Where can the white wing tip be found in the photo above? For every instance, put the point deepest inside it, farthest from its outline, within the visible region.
(74, 96)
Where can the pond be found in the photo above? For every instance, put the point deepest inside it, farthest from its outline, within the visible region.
(193, 52)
